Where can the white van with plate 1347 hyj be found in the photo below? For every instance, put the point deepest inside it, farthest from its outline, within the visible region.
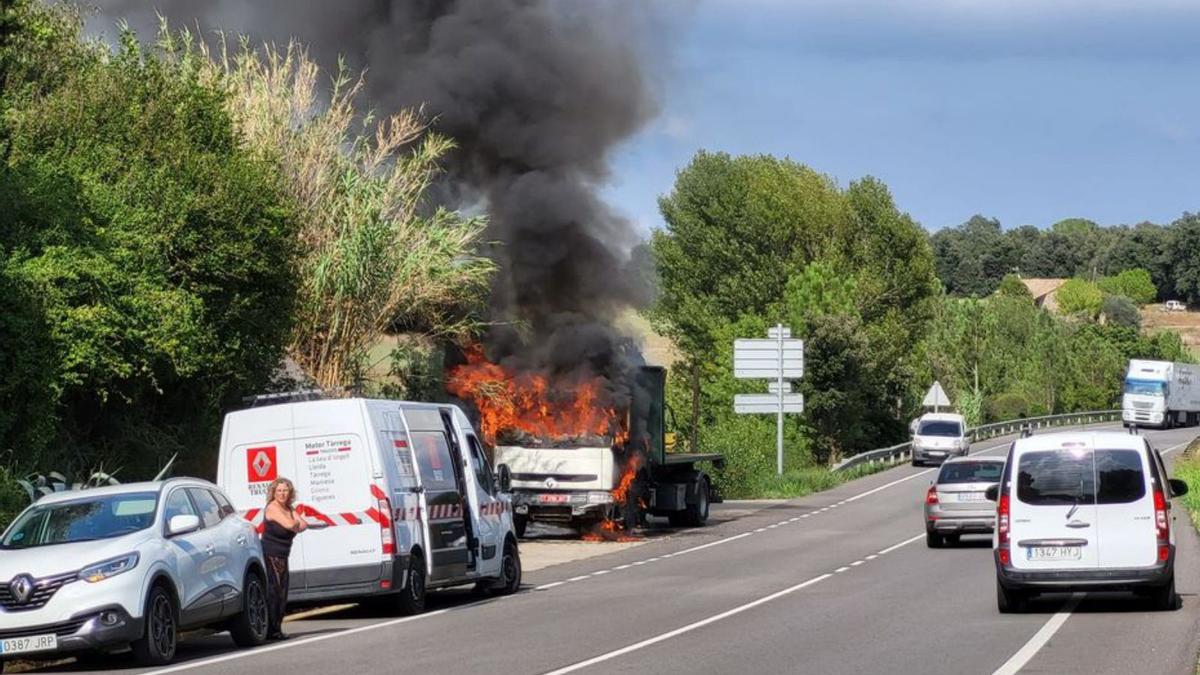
(1084, 511)
(399, 496)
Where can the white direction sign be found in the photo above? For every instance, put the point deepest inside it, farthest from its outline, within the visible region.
(760, 359)
(749, 404)
(775, 387)
(774, 332)
(936, 397)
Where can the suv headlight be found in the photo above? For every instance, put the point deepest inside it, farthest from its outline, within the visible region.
(108, 568)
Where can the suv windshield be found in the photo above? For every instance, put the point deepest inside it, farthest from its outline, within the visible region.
(940, 428)
(84, 519)
(1144, 387)
(971, 472)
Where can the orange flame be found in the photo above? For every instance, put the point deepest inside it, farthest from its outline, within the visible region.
(530, 403)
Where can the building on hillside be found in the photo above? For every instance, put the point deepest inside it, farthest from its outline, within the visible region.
(1044, 292)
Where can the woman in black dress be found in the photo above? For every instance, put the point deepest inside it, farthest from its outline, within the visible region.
(281, 524)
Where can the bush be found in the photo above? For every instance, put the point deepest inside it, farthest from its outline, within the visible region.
(12, 498)
(1120, 310)
(1007, 406)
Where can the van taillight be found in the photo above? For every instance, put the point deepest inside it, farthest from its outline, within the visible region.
(1002, 511)
(1162, 524)
(387, 536)
(931, 496)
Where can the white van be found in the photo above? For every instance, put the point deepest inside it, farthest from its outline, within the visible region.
(1081, 511)
(938, 436)
(399, 497)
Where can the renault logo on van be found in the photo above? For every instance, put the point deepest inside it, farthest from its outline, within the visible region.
(21, 588)
(261, 464)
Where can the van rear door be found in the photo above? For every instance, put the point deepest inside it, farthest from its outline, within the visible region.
(334, 475)
(1125, 501)
(256, 448)
(1054, 522)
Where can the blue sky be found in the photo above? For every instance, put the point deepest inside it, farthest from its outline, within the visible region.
(1029, 111)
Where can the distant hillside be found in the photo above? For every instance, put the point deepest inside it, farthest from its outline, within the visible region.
(1187, 324)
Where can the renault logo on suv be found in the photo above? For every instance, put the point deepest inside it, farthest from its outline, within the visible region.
(21, 588)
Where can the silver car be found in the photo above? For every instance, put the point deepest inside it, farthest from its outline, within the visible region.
(956, 502)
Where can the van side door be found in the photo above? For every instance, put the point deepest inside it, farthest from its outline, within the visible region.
(443, 502)
(487, 508)
(1125, 502)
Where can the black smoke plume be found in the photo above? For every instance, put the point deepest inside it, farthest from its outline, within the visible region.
(537, 94)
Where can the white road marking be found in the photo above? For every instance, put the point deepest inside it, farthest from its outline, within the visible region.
(600, 572)
(704, 622)
(841, 569)
(856, 563)
(688, 628)
(200, 663)
(578, 578)
(1040, 638)
(873, 556)
(622, 567)
(546, 587)
(903, 543)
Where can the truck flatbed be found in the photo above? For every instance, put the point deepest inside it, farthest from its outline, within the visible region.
(692, 457)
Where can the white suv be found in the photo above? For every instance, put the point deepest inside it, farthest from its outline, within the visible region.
(129, 565)
(1081, 511)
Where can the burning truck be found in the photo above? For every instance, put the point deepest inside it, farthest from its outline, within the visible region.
(584, 452)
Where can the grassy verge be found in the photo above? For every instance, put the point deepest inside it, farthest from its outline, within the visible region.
(799, 482)
(1187, 468)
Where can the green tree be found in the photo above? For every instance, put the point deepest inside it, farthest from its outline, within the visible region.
(1012, 286)
(158, 251)
(1134, 284)
(1077, 296)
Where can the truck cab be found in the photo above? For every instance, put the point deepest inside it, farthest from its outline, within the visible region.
(580, 487)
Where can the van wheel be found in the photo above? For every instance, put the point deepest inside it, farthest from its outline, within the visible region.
(933, 539)
(1165, 598)
(249, 627)
(519, 524)
(1009, 601)
(161, 634)
(510, 570)
(412, 598)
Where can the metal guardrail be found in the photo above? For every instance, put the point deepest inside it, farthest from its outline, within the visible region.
(903, 451)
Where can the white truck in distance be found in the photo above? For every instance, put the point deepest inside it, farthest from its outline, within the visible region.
(1161, 394)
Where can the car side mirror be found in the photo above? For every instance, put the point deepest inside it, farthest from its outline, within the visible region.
(182, 524)
(504, 478)
(1178, 487)
(993, 493)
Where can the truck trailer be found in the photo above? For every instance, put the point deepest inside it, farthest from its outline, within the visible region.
(621, 482)
(1161, 394)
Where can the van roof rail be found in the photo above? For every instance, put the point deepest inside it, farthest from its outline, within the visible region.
(284, 397)
(1026, 431)
(1133, 429)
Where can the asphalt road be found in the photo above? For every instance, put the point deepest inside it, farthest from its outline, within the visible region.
(839, 582)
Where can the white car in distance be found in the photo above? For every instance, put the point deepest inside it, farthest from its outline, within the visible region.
(129, 565)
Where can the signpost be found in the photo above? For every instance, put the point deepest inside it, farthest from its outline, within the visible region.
(779, 358)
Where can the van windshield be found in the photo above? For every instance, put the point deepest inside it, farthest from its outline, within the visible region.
(1145, 387)
(82, 520)
(1071, 477)
(1056, 477)
(940, 428)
